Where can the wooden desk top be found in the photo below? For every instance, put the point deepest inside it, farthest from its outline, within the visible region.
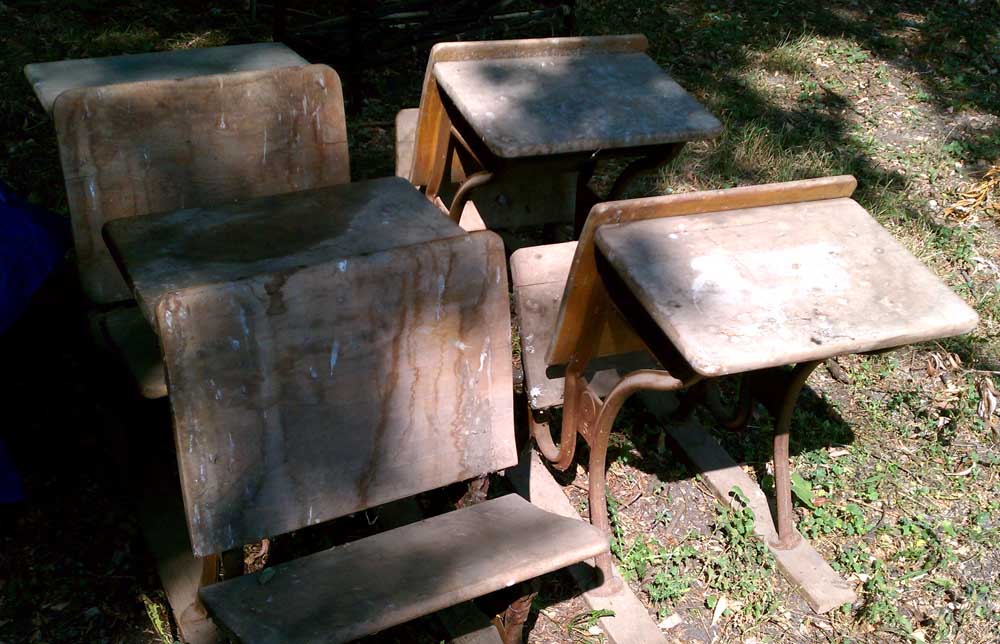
(49, 80)
(523, 107)
(761, 287)
(166, 252)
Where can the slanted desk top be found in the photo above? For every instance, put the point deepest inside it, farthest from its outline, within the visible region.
(761, 287)
(171, 251)
(524, 107)
(49, 80)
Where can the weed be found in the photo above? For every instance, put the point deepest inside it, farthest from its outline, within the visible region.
(158, 618)
(583, 629)
(743, 570)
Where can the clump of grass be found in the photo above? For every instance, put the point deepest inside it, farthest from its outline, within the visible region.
(747, 153)
(789, 57)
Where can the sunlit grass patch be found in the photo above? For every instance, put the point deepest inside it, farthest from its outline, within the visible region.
(791, 56)
(748, 153)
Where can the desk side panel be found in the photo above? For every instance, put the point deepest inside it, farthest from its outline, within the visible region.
(302, 396)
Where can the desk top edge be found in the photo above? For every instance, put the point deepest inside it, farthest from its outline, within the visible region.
(48, 79)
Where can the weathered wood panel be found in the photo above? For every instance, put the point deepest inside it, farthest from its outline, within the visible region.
(765, 287)
(49, 80)
(187, 248)
(546, 105)
(300, 396)
(347, 592)
(583, 272)
(156, 146)
(433, 123)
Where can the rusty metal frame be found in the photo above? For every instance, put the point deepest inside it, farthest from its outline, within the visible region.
(586, 414)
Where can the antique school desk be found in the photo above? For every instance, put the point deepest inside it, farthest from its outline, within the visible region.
(160, 253)
(760, 282)
(313, 375)
(538, 108)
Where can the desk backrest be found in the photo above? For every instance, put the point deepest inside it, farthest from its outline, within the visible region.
(617, 337)
(433, 122)
(305, 395)
(153, 146)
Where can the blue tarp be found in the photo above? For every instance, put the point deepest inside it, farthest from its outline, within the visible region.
(33, 241)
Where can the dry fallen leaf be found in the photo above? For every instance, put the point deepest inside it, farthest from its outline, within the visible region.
(720, 607)
(981, 196)
(987, 408)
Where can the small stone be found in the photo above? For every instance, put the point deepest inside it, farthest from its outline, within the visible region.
(670, 622)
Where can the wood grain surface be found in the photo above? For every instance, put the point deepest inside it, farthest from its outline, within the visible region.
(304, 395)
(583, 271)
(548, 105)
(51, 79)
(199, 246)
(368, 585)
(763, 287)
(156, 146)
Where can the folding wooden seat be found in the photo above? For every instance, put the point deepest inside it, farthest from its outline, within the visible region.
(137, 148)
(307, 394)
(668, 293)
(430, 154)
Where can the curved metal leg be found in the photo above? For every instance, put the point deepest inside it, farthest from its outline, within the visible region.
(641, 165)
(646, 379)
(463, 194)
(787, 535)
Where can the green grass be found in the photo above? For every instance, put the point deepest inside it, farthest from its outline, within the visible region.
(897, 474)
(806, 90)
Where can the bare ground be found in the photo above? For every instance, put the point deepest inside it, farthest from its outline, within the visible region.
(897, 453)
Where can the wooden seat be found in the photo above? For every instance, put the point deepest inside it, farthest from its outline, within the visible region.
(747, 280)
(49, 80)
(371, 584)
(310, 393)
(539, 276)
(154, 146)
